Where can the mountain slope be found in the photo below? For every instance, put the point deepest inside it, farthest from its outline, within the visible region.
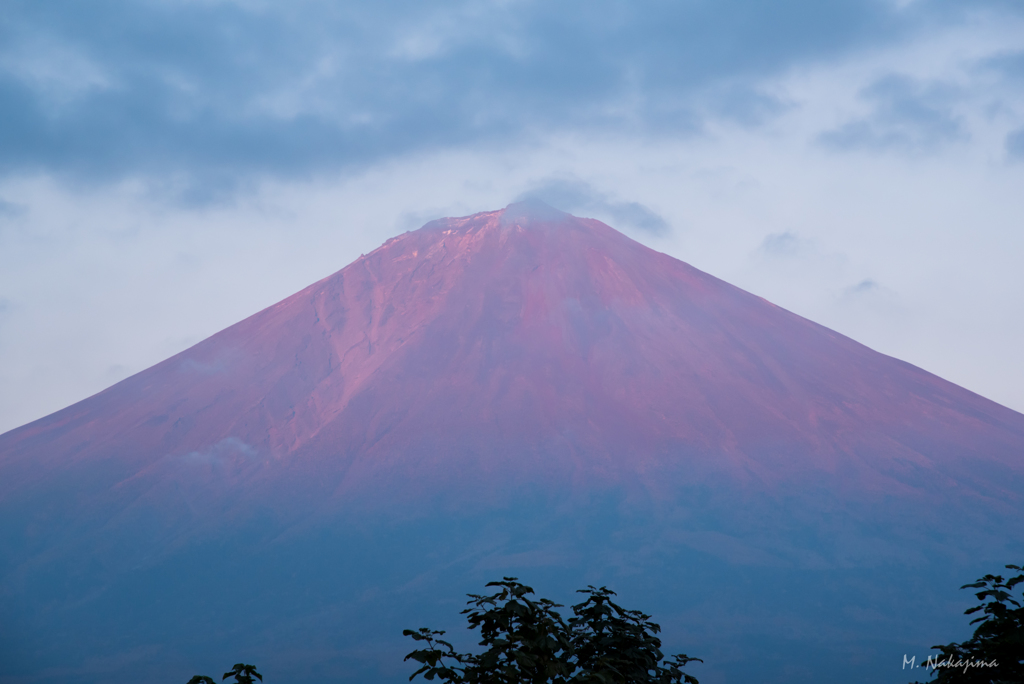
(490, 375)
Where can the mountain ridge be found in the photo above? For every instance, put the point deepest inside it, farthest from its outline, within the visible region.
(340, 329)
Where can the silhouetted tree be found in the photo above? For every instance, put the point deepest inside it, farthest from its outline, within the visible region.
(612, 644)
(995, 654)
(242, 673)
(528, 641)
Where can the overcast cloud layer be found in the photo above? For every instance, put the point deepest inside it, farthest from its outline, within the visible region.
(167, 168)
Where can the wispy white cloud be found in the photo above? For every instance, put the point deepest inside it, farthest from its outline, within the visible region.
(785, 244)
(225, 450)
(581, 198)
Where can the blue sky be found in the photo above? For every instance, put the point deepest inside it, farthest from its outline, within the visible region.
(167, 168)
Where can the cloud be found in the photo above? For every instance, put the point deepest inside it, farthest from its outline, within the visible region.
(10, 209)
(226, 449)
(866, 286)
(905, 114)
(216, 367)
(214, 91)
(871, 295)
(1009, 66)
(783, 244)
(747, 105)
(117, 372)
(1015, 144)
(578, 197)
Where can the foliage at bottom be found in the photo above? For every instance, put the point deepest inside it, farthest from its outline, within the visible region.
(995, 654)
(526, 640)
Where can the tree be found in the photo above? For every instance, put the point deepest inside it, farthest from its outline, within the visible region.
(242, 673)
(528, 642)
(612, 644)
(995, 654)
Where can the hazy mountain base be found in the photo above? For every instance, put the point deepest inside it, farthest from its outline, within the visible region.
(783, 589)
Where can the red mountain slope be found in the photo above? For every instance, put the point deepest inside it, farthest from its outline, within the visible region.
(538, 345)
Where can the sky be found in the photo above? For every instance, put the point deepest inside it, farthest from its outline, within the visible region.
(169, 167)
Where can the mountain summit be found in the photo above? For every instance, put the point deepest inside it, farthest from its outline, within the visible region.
(514, 389)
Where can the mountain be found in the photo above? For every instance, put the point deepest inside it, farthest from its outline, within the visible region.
(515, 392)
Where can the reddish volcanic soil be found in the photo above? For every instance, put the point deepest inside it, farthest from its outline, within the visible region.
(538, 345)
